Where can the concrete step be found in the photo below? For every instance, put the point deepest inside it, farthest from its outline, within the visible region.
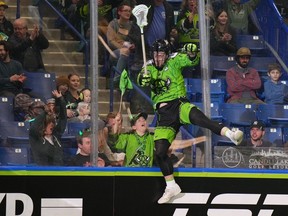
(65, 69)
(104, 94)
(61, 45)
(62, 57)
(104, 107)
(51, 34)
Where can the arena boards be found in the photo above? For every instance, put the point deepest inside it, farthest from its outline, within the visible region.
(43, 191)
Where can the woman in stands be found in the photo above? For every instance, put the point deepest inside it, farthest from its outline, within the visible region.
(45, 133)
(222, 36)
(72, 96)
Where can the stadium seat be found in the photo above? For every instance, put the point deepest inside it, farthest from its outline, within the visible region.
(220, 64)
(13, 156)
(238, 115)
(75, 127)
(214, 110)
(261, 64)
(68, 153)
(273, 115)
(254, 42)
(6, 107)
(194, 90)
(40, 85)
(15, 133)
(285, 136)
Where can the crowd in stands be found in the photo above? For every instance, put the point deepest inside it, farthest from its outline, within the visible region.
(20, 51)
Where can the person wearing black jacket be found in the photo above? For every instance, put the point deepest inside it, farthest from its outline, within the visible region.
(26, 47)
(45, 133)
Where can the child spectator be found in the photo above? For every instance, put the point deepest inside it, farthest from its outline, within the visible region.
(137, 144)
(85, 95)
(83, 110)
(275, 92)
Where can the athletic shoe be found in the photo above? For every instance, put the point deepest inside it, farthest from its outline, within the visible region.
(237, 136)
(169, 193)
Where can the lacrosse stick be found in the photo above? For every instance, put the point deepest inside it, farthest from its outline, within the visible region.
(140, 12)
(181, 144)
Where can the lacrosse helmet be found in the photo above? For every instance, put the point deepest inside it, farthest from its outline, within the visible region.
(160, 45)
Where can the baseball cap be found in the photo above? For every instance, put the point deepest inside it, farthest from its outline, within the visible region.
(2, 4)
(243, 51)
(137, 116)
(258, 124)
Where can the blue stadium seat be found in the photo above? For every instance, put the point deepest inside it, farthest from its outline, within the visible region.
(285, 135)
(273, 115)
(6, 107)
(238, 115)
(13, 156)
(220, 64)
(40, 85)
(194, 90)
(75, 127)
(254, 42)
(15, 133)
(261, 64)
(68, 153)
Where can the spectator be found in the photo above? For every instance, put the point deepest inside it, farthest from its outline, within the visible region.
(239, 13)
(27, 47)
(83, 110)
(85, 95)
(222, 36)
(45, 134)
(34, 110)
(62, 84)
(111, 120)
(73, 94)
(123, 36)
(168, 93)
(243, 81)
(257, 132)
(161, 24)
(11, 73)
(275, 92)
(83, 158)
(138, 144)
(6, 27)
(188, 22)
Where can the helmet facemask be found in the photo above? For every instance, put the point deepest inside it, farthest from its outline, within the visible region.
(160, 51)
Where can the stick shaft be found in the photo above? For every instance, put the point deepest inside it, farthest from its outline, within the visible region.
(106, 46)
(143, 50)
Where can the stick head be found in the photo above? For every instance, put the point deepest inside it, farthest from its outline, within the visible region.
(140, 12)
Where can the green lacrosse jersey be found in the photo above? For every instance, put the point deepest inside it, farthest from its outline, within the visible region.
(139, 149)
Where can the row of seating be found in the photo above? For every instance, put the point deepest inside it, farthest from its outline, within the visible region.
(19, 156)
(16, 134)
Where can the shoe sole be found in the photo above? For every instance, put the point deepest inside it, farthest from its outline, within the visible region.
(178, 192)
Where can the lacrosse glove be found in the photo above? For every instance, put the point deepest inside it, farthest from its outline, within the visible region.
(144, 79)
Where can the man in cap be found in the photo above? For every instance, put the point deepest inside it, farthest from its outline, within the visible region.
(243, 81)
(257, 132)
(6, 27)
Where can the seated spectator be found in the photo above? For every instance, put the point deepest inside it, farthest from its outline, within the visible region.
(138, 144)
(27, 47)
(35, 109)
(83, 157)
(6, 27)
(257, 132)
(83, 110)
(243, 81)
(11, 73)
(275, 92)
(123, 36)
(45, 133)
(239, 13)
(222, 36)
(85, 95)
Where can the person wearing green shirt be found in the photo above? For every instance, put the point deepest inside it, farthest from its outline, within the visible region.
(138, 144)
(163, 74)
